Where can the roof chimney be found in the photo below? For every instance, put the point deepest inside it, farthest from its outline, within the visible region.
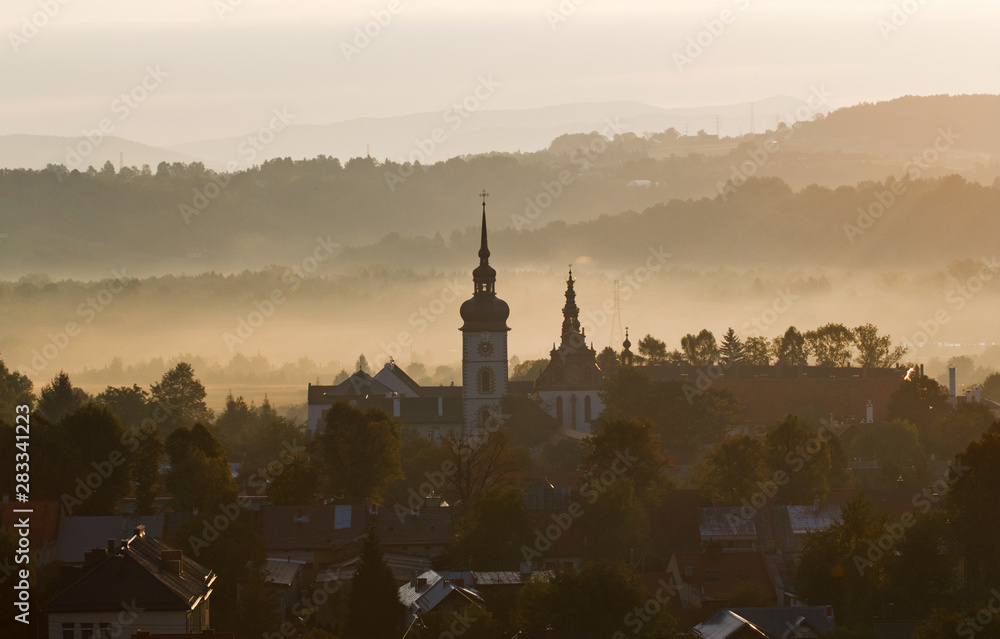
(413, 579)
(173, 561)
(140, 530)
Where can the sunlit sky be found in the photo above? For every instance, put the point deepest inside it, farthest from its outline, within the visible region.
(229, 63)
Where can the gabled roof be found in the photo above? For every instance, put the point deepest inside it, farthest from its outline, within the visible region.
(137, 572)
(393, 377)
(312, 527)
(436, 589)
(776, 622)
(359, 384)
(80, 535)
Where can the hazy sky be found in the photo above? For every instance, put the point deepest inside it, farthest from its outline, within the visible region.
(215, 68)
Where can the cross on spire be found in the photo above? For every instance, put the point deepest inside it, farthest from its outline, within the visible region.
(484, 195)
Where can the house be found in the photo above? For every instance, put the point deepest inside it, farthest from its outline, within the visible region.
(808, 622)
(141, 583)
(432, 591)
(313, 534)
(709, 580)
(421, 532)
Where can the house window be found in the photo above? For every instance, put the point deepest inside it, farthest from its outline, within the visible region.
(586, 409)
(69, 631)
(559, 409)
(486, 382)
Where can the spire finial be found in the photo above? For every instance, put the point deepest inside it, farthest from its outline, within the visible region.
(484, 195)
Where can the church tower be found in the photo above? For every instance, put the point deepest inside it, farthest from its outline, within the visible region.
(484, 342)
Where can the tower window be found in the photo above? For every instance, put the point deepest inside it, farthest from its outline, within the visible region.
(486, 381)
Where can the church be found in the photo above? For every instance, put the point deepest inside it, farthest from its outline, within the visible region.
(566, 389)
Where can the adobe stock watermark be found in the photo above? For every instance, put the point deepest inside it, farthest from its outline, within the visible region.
(420, 320)
(562, 12)
(454, 117)
(957, 298)
(365, 34)
(32, 25)
(984, 617)
(898, 17)
(583, 157)
(248, 149)
(88, 310)
(758, 157)
(703, 40)
(291, 280)
(122, 107)
(638, 617)
(886, 198)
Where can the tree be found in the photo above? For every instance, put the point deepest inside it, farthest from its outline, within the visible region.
(490, 535)
(615, 520)
(357, 453)
(477, 460)
(971, 501)
(955, 429)
(60, 397)
(130, 405)
(790, 348)
(757, 352)
(15, 390)
(296, 484)
(876, 351)
(626, 447)
(652, 350)
(183, 395)
(199, 475)
(528, 370)
(87, 442)
(587, 604)
(362, 364)
(609, 361)
(830, 344)
(374, 610)
(734, 468)
(920, 401)
(919, 575)
(146, 473)
(258, 605)
(700, 349)
(801, 455)
(731, 351)
(838, 566)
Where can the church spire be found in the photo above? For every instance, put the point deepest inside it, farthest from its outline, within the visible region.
(485, 311)
(484, 250)
(571, 315)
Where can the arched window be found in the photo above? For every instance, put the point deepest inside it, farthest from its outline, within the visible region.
(572, 411)
(485, 419)
(486, 381)
(559, 409)
(586, 409)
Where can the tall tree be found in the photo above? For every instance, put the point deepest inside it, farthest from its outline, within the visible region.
(477, 460)
(830, 344)
(362, 364)
(357, 453)
(199, 475)
(731, 351)
(130, 405)
(790, 348)
(734, 468)
(183, 395)
(971, 501)
(626, 447)
(700, 349)
(609, 361)
(757, 352)
(490, 535)
(374, 609)
(922, 402)
(652, 351)
(801, 455)
(875, 351)
(60, 397)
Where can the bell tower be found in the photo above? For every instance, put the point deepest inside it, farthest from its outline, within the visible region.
(484, 342)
